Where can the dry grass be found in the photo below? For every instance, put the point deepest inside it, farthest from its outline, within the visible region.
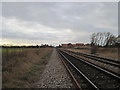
(108, 52)
(104, 52)
(21, 70)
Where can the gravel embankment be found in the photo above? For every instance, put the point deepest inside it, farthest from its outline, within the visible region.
(55, 74)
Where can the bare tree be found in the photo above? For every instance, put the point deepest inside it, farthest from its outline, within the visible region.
(110, 39)
(103, 39)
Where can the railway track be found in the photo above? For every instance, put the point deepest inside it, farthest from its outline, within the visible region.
(105, 63)
(109, 61)
(96, 77)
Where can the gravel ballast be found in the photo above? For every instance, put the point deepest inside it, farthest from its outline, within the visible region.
(55, 74)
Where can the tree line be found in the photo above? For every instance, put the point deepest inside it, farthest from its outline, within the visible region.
(31, 46)
(104, 39)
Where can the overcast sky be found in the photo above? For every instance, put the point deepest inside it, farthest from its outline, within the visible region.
(56, 23)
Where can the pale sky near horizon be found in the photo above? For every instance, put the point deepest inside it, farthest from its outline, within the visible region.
(54, 23)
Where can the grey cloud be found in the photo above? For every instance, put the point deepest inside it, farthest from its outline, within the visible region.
(77, 17)
(61, 15)
(27, 36)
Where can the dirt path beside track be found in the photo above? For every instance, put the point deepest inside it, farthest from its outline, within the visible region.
(55, 75)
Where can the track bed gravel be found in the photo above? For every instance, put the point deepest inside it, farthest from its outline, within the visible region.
(55, 75)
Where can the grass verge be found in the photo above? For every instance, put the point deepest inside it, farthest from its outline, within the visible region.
(22, 70)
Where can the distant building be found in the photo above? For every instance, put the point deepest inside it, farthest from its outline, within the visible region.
(77, 45)
(69, 45)
(64, 45)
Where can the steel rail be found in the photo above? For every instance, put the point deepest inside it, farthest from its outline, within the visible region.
(98, 67)
(96, 64)
(115, 79)
(75, 81)
(104, 60)
(80, 72)
(109, 59)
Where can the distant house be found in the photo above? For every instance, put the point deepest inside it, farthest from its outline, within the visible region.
(79, 44)
(69, 45)
(64, 45)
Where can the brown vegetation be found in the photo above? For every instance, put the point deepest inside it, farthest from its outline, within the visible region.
(21, 70)
(108, 52)
(104, 52)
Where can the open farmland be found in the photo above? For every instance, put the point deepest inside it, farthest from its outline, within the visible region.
(21, 68)
(11, 50)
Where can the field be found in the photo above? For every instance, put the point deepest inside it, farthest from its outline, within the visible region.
(21, 68)
(104, 52)
(11, 50)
